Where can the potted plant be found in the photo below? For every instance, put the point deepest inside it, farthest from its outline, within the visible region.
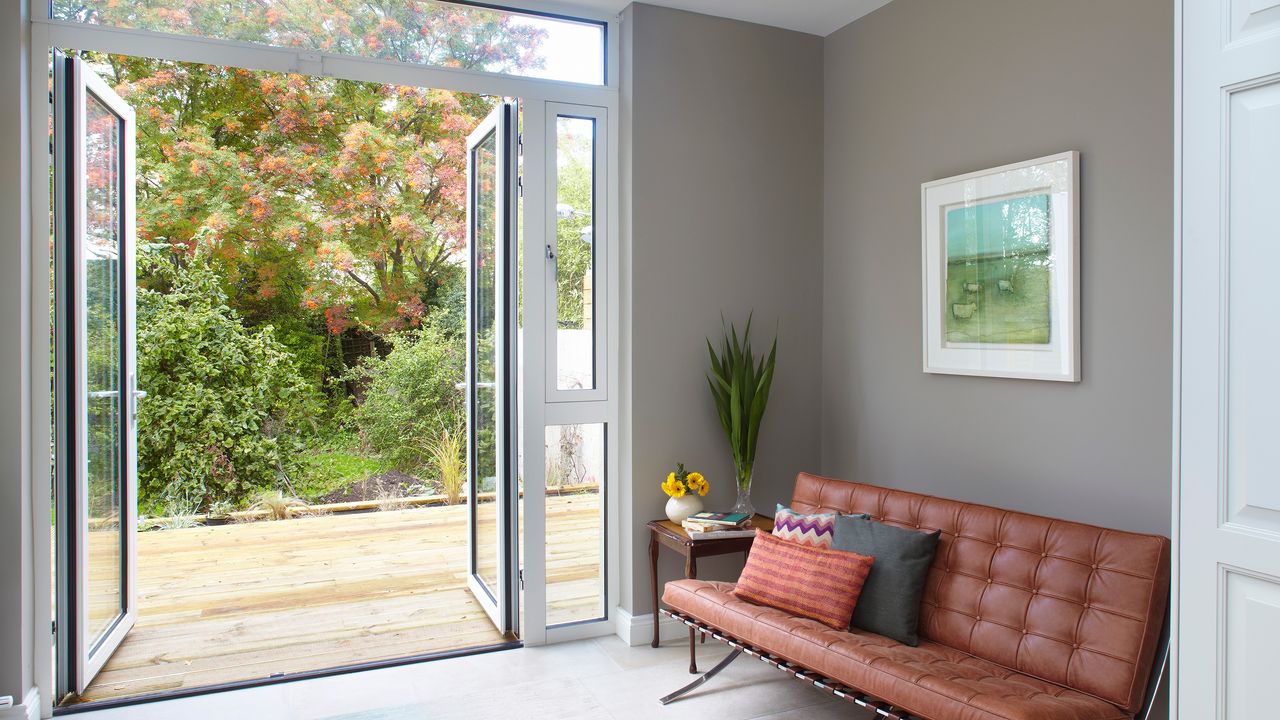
(685, 491)
(740, 386)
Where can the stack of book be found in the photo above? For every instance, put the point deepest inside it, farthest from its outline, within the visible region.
(707, 525)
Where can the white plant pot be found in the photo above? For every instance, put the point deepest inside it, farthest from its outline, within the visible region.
(680, 508)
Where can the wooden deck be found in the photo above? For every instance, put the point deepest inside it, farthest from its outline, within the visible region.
(246, 601)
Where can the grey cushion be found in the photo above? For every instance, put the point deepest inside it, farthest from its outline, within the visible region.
(890, 600)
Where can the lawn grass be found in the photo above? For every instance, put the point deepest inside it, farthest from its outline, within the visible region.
(335, 466)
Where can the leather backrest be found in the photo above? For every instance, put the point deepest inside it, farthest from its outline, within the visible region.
(1077, 605)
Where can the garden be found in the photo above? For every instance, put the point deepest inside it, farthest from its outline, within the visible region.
(301, 275)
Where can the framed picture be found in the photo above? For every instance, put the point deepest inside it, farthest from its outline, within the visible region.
(1001, 271)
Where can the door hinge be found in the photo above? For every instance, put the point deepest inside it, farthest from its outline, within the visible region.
(520, 576)
(520, 186)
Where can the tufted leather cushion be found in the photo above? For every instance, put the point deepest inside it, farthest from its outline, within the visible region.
(931, 681)
(1077, 605)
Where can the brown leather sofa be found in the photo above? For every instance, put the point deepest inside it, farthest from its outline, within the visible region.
(1023, 617)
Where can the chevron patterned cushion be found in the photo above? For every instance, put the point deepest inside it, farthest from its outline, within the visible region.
(806, 581)
(812, 530)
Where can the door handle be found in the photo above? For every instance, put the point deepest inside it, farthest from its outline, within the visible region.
(134, 396)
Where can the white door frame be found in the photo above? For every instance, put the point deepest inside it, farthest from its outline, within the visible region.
(47, 34)
(542, 404)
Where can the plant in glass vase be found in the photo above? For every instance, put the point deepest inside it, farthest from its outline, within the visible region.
(740, 386)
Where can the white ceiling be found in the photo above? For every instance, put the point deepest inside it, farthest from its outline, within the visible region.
(819, 17)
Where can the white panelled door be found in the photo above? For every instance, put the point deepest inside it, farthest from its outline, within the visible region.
(1229, 355)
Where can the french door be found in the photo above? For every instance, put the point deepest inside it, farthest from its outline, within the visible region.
(492, 492)
(97, 393)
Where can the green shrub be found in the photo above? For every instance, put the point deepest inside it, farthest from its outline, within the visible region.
(224, 403)
(411, 395)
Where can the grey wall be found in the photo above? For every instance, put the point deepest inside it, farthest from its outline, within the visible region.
(725, 172)
(739, 138)
(926, 89)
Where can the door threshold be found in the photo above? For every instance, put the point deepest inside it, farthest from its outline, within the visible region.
(91, 705)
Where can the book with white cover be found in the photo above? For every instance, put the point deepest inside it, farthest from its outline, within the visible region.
(696, 532)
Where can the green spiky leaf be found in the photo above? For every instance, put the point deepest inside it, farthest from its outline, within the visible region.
(740, 385)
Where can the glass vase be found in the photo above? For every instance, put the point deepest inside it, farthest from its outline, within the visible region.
(743, 505)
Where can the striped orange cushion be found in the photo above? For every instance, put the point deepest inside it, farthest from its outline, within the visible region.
(805, 581)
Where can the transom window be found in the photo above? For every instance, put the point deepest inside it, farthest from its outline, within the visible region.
(421, 32)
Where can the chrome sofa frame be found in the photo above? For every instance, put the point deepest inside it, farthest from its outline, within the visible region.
(881, 708)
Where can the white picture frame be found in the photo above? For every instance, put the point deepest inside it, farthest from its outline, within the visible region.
(1000, 271)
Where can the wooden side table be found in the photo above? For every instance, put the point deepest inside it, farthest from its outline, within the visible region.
(666, 533)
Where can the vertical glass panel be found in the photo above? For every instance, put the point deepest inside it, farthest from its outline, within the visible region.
(422, 32)
(575, 254)
(103, 420)
(484, 424)
(575, 522)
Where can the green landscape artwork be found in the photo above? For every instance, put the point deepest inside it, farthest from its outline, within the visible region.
(999, 268)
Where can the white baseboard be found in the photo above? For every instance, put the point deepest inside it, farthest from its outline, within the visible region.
(638, 629)
(28, 710)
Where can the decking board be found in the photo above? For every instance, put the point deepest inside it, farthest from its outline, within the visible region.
(245, 601)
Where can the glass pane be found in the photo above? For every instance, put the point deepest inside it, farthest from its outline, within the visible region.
(575, 254)
(575, 522)
(440, 34)
(103, 421)
(484, 366)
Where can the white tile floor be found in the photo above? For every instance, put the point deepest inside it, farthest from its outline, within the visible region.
(598, 679)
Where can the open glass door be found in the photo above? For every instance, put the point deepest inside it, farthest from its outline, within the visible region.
(97, 384)
(492, 494)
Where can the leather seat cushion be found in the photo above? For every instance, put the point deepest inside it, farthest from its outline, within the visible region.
(932, 681)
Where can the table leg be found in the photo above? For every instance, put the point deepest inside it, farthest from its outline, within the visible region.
(653, 582)
(691, 572)
(693, 651)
